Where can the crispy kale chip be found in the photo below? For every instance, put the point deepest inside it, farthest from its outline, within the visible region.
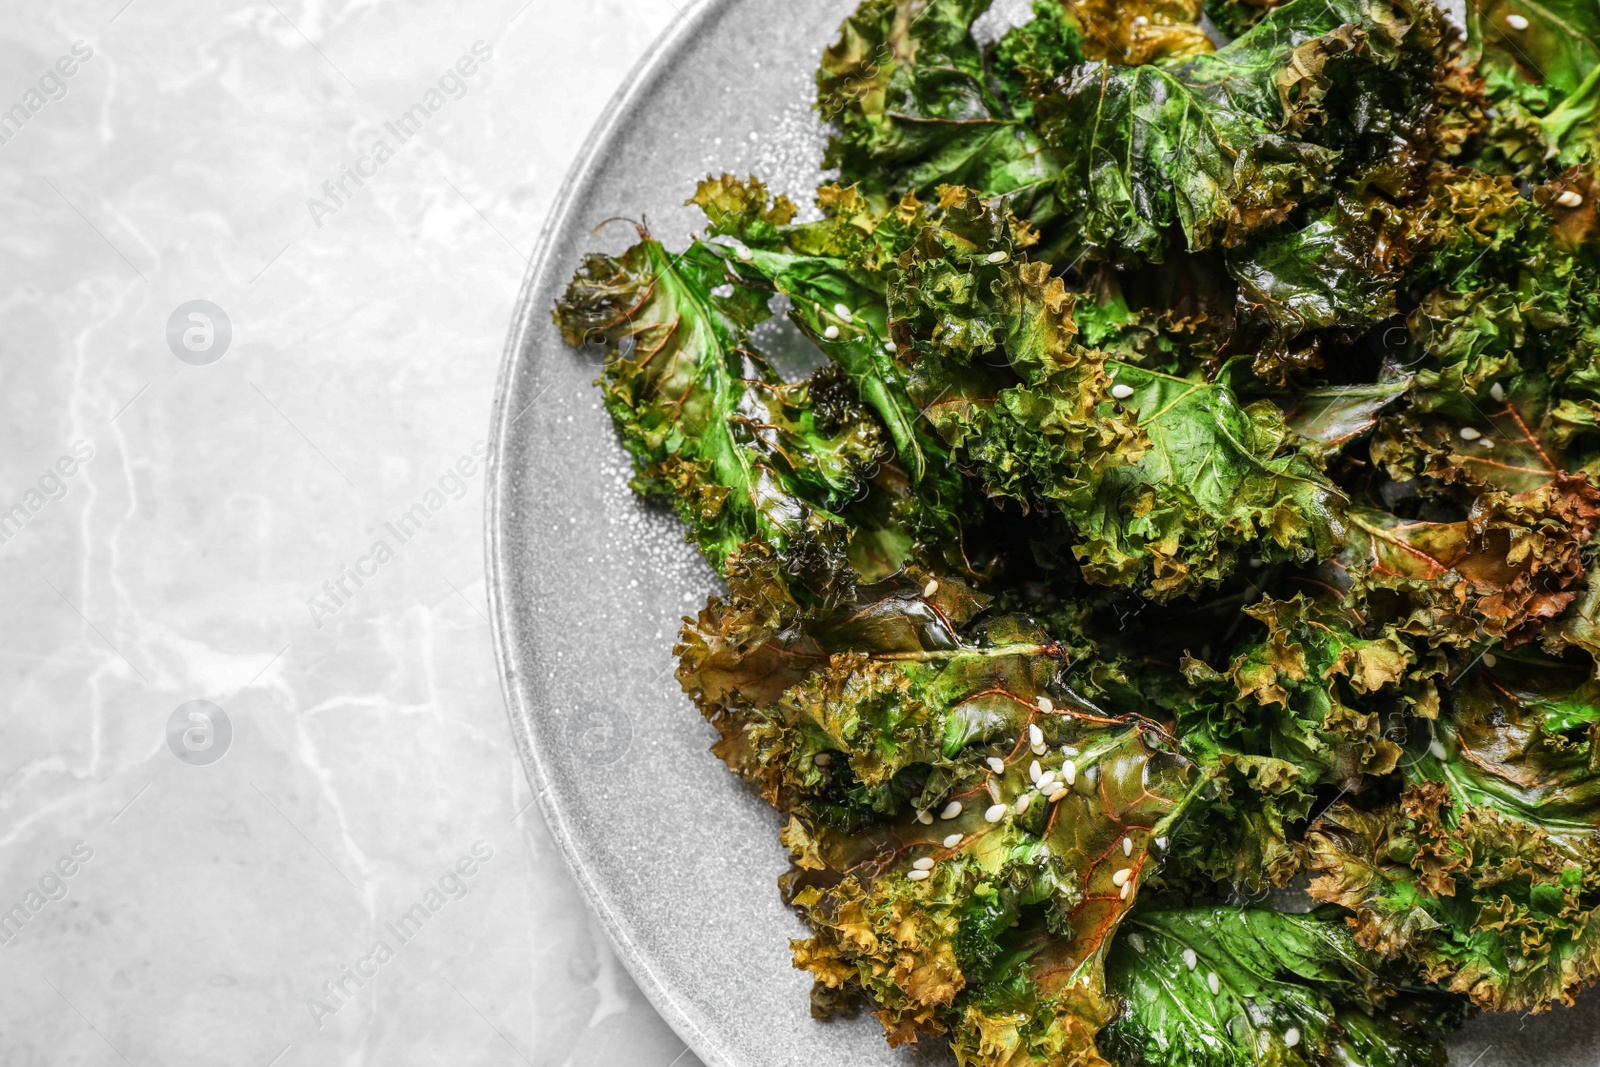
(1168, 622)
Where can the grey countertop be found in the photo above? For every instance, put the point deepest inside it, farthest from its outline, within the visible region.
(334, 858)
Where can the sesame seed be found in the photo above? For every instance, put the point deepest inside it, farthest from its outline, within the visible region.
(952, 841)
(1040, 749)
(1568, 198)
(1043, 704)
(951, 810)
(1127, 888)
(745, 254)
(1022, 802)
(1140, 20)
(1291, 1037)
(998, 257)
(1436, 748)
(1069, 772)
(931, 588)
(1122, 392)
(1046, 782)
(924, 818)
(1035, 735)
(924, 864)
(843, 312)
(1517, 22)
(1189, 958)
(916, 876)
(831, 333)
(1127, 846)
(997, 765)
(822, 759)
(995, 813)
(1489, 660)
(1468, 433)
(888, 346)
(1120, 878)
(1497, 392)
(1212, 983)
(1034, 771)
(1057, 793)
(1136, 942)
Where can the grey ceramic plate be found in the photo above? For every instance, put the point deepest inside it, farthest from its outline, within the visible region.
(587, 587)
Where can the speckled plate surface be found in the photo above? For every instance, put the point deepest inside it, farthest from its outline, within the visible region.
(587, 587)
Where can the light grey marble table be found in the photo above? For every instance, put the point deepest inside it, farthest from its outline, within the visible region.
(286, 526)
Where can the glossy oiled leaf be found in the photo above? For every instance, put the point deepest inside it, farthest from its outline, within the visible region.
(1224, 144)
(913, 98)
(1226, 987)
(709, 426)
(1485, 871)
(1220, 479)
(1511, 565)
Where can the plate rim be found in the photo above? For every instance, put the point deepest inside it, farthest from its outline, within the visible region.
(649, 69)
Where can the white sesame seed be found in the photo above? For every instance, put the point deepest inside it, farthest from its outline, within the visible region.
(1046, 782)
(1035, 735)
(1568, 198)
(1468, 433)
(1022, 802)
(1436, 748)
(1140, 20)
(745, 254)
(1212, 983)
(1069, 772)
(1517, 22)
(998, 257)
(1189, 958)
(1040, 749)
(924, 818)
(1489, 660)
(1291, 1037)
(924, 864)
(831, 333)
(888, 346)
(995, 813)
(1120, 878)
(822, 759)
(1043, 704)
(916, 876)
(1497, 392)
(1069, 750)
(1034, 771)
(1127, 887)
(1122, 392)
(1136, 942)
(1057, 793)
(951, 810)
(952, 841)
(997, 765)
(1127, 846)
(843, 312)
(931, 588)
